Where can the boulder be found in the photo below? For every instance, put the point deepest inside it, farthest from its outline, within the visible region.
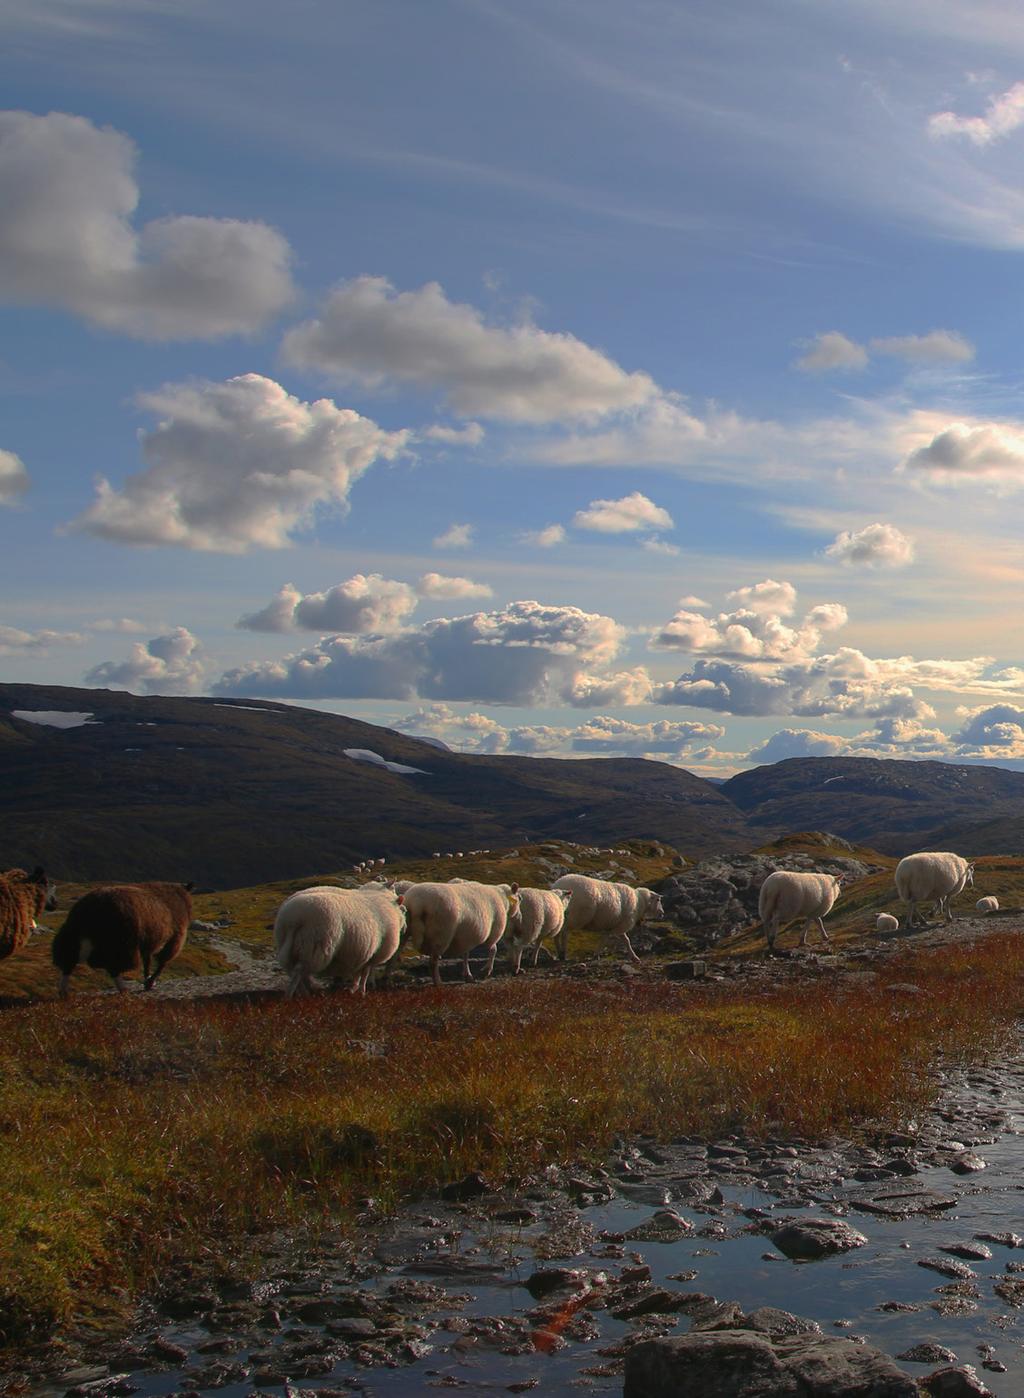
(813, 1238)
(753, 1364)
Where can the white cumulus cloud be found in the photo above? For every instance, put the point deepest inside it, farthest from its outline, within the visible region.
(67, 239)
(625, 516)
(937, 347)
(440, 586)
(523, 654)
(832, 350)
(968, 450)
(545, 538)
(874, 546)
(13, 477)
(362, 605)
(14, 641)
(237, 465)
(370, 333)
(167, 664)
(469, 436)
(456, 536)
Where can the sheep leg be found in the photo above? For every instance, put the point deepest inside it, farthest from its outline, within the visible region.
(64, 987)
(147, 979)
(771, 931)
(296, 982)
(467, 974)
(165, 954)
(629, 948)
(517, 961)
(122, 985)
(562, 943)
(435, 970)
(490, 962)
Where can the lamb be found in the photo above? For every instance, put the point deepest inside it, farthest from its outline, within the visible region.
(987, 905)
(340, 933)
(120, 926)
(885, 922)
(786, 895)
(452, 919)
(932, 874)
(601, 906)
(22, 898)
(541, 914)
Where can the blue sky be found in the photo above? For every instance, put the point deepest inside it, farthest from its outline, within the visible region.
(548, 378)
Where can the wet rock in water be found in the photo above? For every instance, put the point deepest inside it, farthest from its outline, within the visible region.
(897, 1307)
(470, 1186)
(948, 1267)
(955, 1383)
(816, 1237)
(548, 1279)
(901, 1200)
(776, 1323)
(971, 1252)
(968, 1164)
(927, 1353)
(1010, 1290)
(665, 1226)
(651, 1301)
(748, 1364)
(1003, 1240)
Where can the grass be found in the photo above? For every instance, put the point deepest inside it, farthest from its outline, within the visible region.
(135, 1133)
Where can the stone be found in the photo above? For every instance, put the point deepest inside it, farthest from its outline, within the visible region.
(813, 1238)
(901, 1199)
(927, 1353)
(748, 1364)
(664, 1226)
(1010, 1291)
(1003, 1240)
(470, 1187)
(955, 1383)
(968, 1164)
(776, 1323)
(948, 1267)
(548, 1279)
(971, 1252)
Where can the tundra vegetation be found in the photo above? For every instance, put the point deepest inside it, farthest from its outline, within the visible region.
(138, 1132)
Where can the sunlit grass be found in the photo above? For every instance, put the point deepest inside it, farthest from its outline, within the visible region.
(134, 1131)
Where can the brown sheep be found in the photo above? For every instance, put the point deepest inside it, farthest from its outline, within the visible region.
(122, 926)
(22, 898)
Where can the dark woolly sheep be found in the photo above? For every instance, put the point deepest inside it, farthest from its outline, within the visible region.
(22, 898)
(120, 927)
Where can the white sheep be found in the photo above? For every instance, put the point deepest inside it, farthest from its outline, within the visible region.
(453, 919)
(541, 914)
(598, 905)
(340, 933)
(987, 905)
(786, 895)
(885, 922)
(932, 874)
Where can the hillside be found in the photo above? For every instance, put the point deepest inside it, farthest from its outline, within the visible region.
(231, 793)
(895, 806)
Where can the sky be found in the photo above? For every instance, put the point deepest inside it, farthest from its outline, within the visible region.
(556, 377)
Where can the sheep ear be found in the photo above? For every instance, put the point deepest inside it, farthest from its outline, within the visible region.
(515, 888)
(189, 887)
(401, 899)
(37, 875)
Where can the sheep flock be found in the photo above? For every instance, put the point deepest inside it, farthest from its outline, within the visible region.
(345, 935)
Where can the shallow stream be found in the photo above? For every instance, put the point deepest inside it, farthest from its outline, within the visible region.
(437, 1299)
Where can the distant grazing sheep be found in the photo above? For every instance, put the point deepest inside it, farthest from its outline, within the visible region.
(987, 905)
(541, 914)
(786, 895)
(22, 898)
(598, 905)
(885, 922)
(122, 926)
(339, 933)
(453, 919)
(936, 875)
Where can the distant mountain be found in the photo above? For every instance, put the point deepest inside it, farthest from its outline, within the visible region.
(231, 793)
(892, 805)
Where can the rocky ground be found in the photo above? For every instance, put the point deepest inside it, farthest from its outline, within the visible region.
(564, 1284)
